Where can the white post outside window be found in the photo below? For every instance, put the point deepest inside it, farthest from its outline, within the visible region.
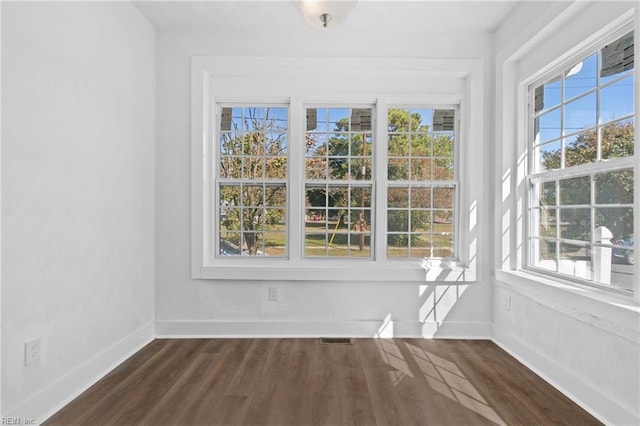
(602, 255)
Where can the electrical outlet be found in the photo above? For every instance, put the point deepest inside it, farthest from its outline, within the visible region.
(32, 351)
(273, 294)
(506, 303)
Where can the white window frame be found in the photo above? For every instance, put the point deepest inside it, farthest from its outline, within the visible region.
(209, 78)
(531, 175)
(454, 183)
(371, 183)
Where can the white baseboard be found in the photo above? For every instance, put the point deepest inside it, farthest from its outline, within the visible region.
(52, 398)
(362, 329)
(454, 330)
(589, 398)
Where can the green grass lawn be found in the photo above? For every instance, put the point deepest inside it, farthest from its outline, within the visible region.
(347, 244)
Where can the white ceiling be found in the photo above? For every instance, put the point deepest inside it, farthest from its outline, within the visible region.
(368, 15)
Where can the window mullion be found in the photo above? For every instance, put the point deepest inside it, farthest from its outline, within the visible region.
(380, 186)
(563, 135)
(598, 112)
(295, 228)
(592, 203)
(584, 169)
(211, 198)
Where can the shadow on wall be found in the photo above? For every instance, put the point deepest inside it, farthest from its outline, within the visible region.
(447, 282)
(435, 302)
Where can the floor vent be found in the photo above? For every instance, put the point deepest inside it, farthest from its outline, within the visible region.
(336, 341)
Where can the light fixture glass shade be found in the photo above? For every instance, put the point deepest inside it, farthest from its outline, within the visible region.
(325, 14)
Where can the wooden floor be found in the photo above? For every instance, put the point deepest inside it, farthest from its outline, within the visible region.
(302, 382)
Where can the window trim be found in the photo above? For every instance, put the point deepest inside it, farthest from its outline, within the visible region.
(530, 174)
(206, 89)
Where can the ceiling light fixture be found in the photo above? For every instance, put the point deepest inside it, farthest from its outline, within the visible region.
(325, 18)
(325, 14)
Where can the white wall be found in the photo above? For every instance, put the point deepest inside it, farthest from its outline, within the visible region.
(207, 307)
(78, 104)
(587, 345)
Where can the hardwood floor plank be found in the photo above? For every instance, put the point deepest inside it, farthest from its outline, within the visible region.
(182, 399)
(326, 404)
(146, 389)
(538, 397)
(301, 382)
(229, 410)
(356, 404)
(298, 388)
(73, 411)
(172, 406)
(494, 381)
(105, 397)
(266, 402)
(283, 400)
(429, 399)
(252, 367)
(202, 407)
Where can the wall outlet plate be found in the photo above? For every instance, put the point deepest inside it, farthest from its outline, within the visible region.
(506, 303)
(32, 351)
(273, 294)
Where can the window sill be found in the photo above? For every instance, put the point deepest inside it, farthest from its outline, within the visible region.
(532, 278)
(336, 270)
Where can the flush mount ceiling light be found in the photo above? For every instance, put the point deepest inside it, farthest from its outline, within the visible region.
(325, 14)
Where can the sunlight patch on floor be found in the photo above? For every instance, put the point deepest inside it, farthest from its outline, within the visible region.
(446, 378)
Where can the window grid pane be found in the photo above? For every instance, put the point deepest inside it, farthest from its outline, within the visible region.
(338, 220)
(339, 149)
(583, 115)
(422, 225)
(252, 181)
(575, 221)
(422, 192)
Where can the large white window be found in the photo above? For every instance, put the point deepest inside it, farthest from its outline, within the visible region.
(252, 181)
(294, 178)
(581, 180)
